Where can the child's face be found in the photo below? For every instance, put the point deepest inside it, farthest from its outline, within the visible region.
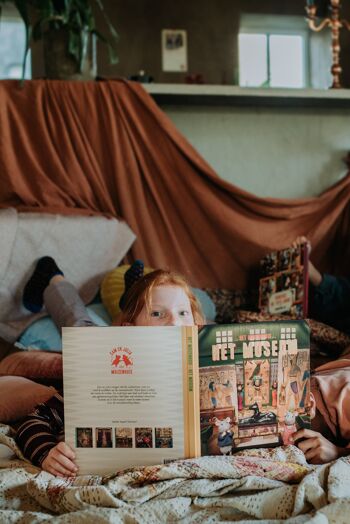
(170, 306)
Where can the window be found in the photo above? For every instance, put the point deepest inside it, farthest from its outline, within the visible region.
(12, 45)
(273, 51)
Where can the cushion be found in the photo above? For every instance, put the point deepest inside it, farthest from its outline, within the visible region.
(227, 301)
(43, 333)
(208, 306)
(112, 288)
(19, 396)
(33, 364)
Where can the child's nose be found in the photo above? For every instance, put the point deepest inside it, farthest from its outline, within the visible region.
(173, 320)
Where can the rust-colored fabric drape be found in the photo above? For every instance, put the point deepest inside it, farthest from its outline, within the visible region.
(106, 147)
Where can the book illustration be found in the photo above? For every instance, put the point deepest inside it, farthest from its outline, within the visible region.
(123, 437)
(104, 438)
(164, 437)
(254, 384)
(84, 437)
(283, 286)
(144, 437)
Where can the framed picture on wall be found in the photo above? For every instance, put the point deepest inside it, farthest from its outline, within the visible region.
(174, 50)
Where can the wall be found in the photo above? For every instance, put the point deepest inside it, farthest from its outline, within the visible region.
(212, 35)
(278, 152)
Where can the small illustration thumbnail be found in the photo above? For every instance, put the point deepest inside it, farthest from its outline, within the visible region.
(83, 437)
(164, 437)
(123, 437)
(144, 437)
(104, 438)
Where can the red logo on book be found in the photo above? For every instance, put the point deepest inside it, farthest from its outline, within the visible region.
(121, 361)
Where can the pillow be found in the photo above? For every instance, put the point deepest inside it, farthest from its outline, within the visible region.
(227, 301)
(208, 306)
(43, 333)
(112, 288)
(33, 364)
(19, 396)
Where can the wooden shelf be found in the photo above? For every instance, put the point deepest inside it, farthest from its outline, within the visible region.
(216, 95)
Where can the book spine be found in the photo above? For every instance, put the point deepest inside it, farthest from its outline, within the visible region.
(191, 391)
(306, 280)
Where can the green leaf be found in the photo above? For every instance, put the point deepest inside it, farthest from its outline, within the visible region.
(109, 23)
(74, 45)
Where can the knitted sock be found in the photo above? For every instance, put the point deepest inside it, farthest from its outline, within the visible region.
(132, 275)
(33, 292)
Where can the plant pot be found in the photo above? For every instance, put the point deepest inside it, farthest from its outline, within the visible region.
(60, 64)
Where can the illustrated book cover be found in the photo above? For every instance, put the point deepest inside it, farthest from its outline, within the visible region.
(147, 395)
(283, 286)
(254, 381)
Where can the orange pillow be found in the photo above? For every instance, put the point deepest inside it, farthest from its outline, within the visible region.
(19, 396)
(33, 364)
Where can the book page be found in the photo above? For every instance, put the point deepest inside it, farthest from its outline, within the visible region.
(124, 396)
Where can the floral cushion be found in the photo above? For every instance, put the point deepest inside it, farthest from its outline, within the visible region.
(228, 301)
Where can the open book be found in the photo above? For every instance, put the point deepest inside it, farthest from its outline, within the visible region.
(147, 395)
(283, 286)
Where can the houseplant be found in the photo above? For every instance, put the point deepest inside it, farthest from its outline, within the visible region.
(68, 31)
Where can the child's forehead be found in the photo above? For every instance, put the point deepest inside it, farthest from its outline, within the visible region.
(168, 292)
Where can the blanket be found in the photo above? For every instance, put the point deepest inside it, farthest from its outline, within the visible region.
(331, 389)
(269, 485)
(118, 153)
(85, 248)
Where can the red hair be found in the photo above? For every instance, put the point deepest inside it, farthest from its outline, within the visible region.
(139, 295)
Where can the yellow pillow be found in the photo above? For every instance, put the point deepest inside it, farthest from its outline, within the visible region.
(112, 288)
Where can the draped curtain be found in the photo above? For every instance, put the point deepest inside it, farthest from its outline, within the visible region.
(106, 147)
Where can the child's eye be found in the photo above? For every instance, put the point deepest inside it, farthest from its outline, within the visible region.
(184, 313)
(156, 314)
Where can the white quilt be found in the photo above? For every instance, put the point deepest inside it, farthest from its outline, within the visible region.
(85, 248)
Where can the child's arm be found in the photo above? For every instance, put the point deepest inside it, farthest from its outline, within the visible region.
(316, 448)
(39, 434)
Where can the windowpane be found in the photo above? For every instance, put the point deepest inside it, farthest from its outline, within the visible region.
(286, 61)
(252, 60)
(12, 44)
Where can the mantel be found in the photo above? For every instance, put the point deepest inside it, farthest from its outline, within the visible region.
(216, 95)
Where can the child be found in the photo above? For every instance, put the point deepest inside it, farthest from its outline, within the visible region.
(329, 296)
(160, 298)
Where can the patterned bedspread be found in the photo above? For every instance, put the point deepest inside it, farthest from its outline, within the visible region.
(272, 486)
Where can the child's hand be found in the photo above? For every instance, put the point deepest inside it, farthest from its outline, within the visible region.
(60, 461)
(316, 448)
(302, 240)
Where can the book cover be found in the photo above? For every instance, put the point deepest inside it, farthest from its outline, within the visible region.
(148, 395)
(254, 384)
(283, 286)
(130, 396)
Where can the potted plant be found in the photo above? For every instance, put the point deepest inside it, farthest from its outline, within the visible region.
(68, 31)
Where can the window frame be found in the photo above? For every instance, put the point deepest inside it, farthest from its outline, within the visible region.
(278, 25)
(9, 13)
